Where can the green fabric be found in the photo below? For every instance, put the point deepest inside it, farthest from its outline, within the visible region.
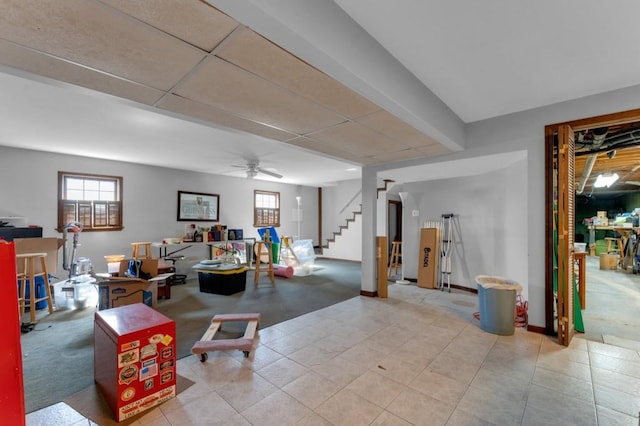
(578, 324)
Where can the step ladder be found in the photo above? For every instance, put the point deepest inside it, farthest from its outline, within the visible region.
(264, 259)
(395, 261)
(446, 251)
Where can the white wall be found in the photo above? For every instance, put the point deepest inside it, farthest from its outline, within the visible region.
(29, 186)
(489, 226)
(338, 204)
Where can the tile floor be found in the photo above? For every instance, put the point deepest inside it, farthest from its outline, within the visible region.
(416, 358)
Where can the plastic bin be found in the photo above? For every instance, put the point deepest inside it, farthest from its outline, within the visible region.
(497, 301)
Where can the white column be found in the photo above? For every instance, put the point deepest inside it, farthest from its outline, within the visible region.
(369, 228)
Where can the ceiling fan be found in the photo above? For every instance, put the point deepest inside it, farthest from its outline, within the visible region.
(253, 168)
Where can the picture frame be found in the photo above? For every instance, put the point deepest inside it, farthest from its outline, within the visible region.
(198, 207)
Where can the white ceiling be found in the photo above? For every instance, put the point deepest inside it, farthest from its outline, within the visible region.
(481, 59)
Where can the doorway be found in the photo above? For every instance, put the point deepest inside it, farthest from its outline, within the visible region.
(560, 173)
(394, 224)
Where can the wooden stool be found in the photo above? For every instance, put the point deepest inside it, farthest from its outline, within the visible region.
(610, 242)
(136, 254)
(396, 255)
(27, 271)
(262, 248)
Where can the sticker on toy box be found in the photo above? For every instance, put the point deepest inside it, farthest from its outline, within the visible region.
(128, 357)
(147, 372)
(148, 351)
(128, 374)
(127, 394)
(167, 352)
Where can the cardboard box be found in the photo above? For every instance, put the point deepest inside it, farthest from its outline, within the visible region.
(428, 257)
(602, 215)
(126, 291)
(51, 246)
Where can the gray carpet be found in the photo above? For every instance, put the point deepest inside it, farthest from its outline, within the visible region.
(58, 353)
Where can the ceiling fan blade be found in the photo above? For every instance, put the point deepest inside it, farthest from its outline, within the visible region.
(267, 172)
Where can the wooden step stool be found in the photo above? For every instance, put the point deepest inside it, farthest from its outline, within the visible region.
(396, 254)
(244, 343)
(137, 254)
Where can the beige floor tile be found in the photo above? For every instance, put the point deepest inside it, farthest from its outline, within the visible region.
(282, 372)
(562, 406)
(607, 417)
(376, 388)
(340, 370)
(420, 409)
(208, 409)
(313, 419)
(246, 391)
(364, 354)
(577, 388)
(387, 419)
(277, 409)
(312, 355)
(508, 362)
(459, 369)
(613, 351)
(336, 343)
(622, 366)
(259, 357)
(439, 387)
(628, 384)
(462, 418)
(312, 389)
(491, 407)
(219, 372)
(349, 409)
(534, 416)
(616, 399)
(566, 355)
(397, 368)
(504, 386)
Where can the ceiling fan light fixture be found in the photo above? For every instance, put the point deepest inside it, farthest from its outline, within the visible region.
(251, 173)
(606, 179)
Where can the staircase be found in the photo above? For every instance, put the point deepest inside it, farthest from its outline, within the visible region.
(347, 241)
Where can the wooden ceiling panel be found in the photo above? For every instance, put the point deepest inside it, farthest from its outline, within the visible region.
(433, 150)
(206, 27)
(405, 154)
(259, 56)
(360, 140)
(208, 113)
(49, 66)
(626, 163)
(328, 149)
(225, 86)
(97, 36)
(394, 128)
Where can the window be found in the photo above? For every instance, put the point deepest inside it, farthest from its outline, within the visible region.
(93, 200)
(266, 208)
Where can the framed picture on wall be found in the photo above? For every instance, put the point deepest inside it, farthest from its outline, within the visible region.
(198, 207)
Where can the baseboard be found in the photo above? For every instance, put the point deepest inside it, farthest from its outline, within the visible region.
(536, 329)
(455, 286)
(369, 293)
